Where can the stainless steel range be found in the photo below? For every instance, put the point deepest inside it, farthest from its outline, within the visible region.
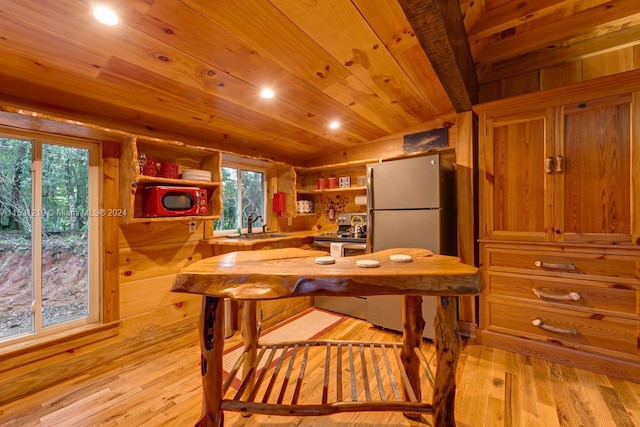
(350, 239)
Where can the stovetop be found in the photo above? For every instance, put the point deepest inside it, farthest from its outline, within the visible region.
(337, 236)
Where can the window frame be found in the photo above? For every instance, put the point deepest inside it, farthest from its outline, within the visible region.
(95, 255)
(247, 167)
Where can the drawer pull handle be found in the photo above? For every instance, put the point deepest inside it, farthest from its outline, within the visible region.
(571, 296)
(567, 331)
(569, 267)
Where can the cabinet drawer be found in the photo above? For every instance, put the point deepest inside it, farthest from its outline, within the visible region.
(623, 268)
(599, 333)
(619, 299)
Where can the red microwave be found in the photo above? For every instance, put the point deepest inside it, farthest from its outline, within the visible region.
(164, 200)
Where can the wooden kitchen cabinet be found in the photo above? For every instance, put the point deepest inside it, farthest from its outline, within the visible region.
(559, 218)
(560, 174)
(133, 183)
(515, 197)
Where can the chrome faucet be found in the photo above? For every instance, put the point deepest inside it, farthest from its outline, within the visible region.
(250, 221)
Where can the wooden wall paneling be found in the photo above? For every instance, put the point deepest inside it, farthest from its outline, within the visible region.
(596, 20)
(607, 63)
(158, 233)
(146, 295)
(297, 223)
(161, 321)
(382, 148)
(635, 171)
(466, 126)
(156, 260)
(489, 91)
(213, 162)
(560, 75)
(596, 88)
(110, 254)
(561, 53)
(521, 84)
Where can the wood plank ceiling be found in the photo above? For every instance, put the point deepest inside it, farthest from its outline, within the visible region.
(192, 70)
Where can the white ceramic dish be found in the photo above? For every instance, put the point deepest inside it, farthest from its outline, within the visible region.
(196, 175)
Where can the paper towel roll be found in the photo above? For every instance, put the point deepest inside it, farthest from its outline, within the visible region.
(361, 200)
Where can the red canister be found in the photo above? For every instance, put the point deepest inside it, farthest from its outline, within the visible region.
(150, 168)
(169, 170)
(321, 184)
(331, 182)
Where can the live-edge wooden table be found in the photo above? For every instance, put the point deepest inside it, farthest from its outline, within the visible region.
(283, 273)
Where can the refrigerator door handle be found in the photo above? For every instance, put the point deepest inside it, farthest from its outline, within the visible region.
(370, 231)
(369, 209)
(369, 188)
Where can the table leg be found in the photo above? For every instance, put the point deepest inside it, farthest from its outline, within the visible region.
(412, 328)
(448, 344)
(250, 335)
(211, 348)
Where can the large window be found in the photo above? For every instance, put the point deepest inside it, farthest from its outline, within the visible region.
(49, 236)
(243, 194)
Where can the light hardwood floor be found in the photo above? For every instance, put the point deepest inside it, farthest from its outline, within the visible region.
(161, 387)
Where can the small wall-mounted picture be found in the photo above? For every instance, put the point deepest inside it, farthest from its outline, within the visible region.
(425, 141)
(344, 182)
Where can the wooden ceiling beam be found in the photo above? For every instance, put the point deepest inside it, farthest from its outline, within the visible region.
(591, 21)
(628, 36)
(514, 13)
(439, 26)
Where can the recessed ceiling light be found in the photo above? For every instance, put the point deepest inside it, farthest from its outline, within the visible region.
(105, 15)
(267, 93)
(334, 124)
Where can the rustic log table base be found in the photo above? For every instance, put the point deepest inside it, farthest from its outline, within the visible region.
(367, 376)
(376, 376)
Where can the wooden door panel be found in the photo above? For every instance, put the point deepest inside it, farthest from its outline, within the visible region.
(594, 202)
(516, 177)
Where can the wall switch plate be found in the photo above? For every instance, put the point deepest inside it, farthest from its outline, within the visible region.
(192, 226)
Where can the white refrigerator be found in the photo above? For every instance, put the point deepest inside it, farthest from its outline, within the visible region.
(411, 204)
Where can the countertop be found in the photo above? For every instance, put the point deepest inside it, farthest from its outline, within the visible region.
(289, 272)
(243, 241)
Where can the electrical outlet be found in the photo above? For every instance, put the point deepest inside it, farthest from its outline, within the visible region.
(192, 226)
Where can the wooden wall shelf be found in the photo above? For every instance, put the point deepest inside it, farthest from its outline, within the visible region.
(133, 183)
(332, 190)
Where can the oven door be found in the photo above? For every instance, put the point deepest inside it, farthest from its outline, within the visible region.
(353, 249)
(343, 249)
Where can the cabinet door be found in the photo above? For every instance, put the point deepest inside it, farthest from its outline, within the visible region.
(593, 171)
(517, 192)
